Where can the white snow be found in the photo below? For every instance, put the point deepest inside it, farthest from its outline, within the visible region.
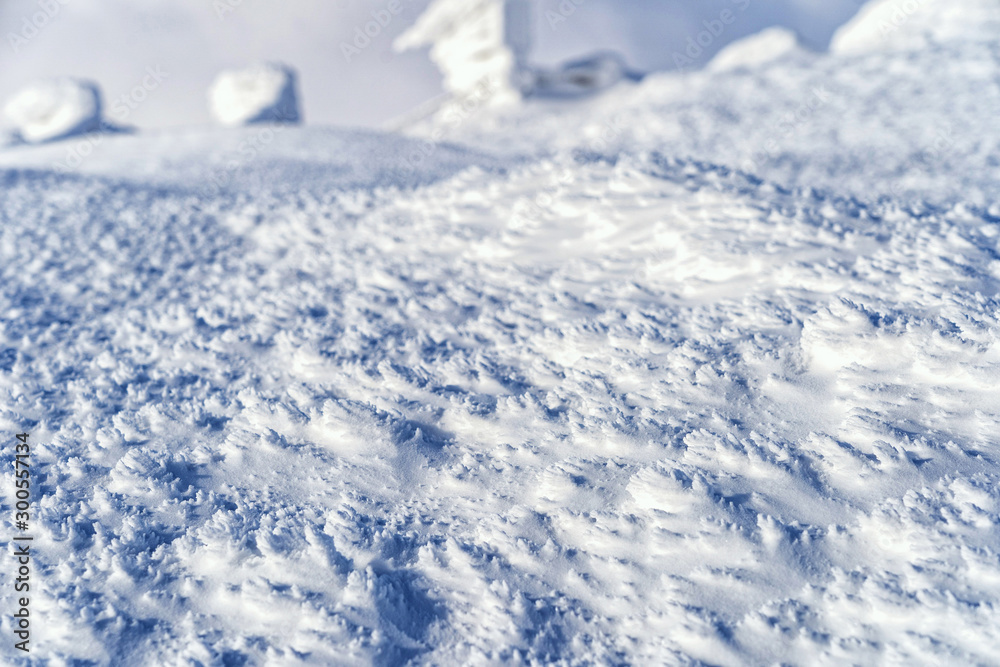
(54, 109)
(701, 370)
(766, 46)
(261, 93)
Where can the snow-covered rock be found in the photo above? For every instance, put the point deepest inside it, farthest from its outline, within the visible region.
(263, 93)
(766, 46)
(54, 109)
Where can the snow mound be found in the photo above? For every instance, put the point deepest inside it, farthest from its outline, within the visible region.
(55, 109)
(766, 46)
(263, 93)
(914, 24)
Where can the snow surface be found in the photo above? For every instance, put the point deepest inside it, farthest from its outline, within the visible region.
(702, 371)
(54, 109)
(263, 93)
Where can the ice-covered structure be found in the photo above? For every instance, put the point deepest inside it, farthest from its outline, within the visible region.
(263, 93)
(480, 42)
(476, 44)
(54, 109)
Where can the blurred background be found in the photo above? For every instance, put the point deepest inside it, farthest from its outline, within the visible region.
(116, 43)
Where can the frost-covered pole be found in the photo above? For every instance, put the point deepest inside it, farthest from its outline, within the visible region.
(477, 44)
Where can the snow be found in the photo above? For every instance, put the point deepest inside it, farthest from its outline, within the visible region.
(54, 109)
(258, 94)
(764, 47)
(913, 24)
(701, 370)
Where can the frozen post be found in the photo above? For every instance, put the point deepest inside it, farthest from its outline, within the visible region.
(477, 44)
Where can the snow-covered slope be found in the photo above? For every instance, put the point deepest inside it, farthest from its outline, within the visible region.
(641, 410)
(612, 388)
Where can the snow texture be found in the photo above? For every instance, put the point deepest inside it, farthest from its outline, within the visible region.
(264, 93)
(54, 109)
(701, 371)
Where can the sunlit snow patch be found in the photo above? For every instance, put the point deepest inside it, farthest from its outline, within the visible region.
(54, 109)
(263, 93)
